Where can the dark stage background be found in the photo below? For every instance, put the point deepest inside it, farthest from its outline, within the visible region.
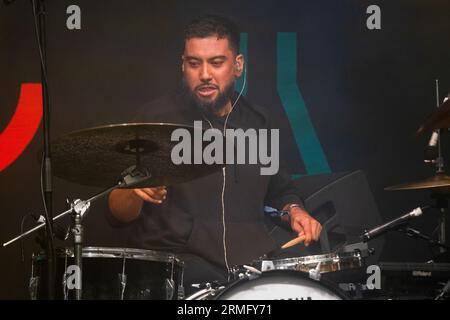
(365, 92)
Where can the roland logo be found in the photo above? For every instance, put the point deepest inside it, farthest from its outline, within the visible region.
(418, 273)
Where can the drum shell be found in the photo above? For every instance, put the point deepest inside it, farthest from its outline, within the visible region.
(149, 275)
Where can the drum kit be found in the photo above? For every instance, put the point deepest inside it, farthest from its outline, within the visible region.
(138, 155)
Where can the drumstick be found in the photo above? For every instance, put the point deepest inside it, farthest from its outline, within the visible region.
(293, 242)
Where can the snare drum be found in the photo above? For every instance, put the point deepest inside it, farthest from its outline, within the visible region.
(328, 262)
(113, 273)
(274, 285)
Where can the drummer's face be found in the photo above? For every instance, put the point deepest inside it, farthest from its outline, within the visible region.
(210, 67)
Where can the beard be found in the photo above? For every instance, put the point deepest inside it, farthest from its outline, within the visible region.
(208, 106)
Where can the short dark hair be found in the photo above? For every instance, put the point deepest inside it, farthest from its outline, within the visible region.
(211, 25)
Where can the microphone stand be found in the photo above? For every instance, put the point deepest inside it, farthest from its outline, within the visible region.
(39, 23)
(413, 233)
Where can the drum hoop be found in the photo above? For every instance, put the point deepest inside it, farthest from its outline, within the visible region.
(324, 282)
(120, 253)
(324, 258)
(334, 257)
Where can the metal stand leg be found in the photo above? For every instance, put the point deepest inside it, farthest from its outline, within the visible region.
(442, 230)
(77, 232)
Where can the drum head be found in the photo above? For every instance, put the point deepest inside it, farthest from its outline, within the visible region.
(282, 285)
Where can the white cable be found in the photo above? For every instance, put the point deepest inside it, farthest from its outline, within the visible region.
(224, 243)
(224, 233)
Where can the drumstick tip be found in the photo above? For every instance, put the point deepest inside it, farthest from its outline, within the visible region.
(293, 242)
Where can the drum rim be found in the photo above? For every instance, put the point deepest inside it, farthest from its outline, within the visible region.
(324, 257)
(118, 253)
(328, 284)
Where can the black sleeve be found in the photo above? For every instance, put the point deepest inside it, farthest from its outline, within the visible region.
(282, 191)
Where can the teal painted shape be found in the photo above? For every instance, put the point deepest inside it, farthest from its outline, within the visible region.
(243, 48)
(291, 98)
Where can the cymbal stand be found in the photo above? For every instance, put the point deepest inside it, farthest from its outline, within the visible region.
(442, 205)
(79, 208)
(441, 200)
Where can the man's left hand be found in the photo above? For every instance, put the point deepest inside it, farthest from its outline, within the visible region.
(305, 225)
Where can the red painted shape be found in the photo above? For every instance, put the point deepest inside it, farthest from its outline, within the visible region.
(23, 125)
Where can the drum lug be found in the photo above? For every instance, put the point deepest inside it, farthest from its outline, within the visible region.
(170, 289)
(314, 274)
(180, 292)
(33, 287)
(122, 284)
(251, 273)
(267, 265)
(33, 284)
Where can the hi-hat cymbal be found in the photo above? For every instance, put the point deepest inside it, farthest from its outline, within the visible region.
(440, 180)
(438, 119)
(97, 156)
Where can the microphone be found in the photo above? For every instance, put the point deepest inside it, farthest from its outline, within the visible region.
(375, 232)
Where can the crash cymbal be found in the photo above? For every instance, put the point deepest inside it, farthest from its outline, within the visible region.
(97, 156)
(438, 119)
(440, 180)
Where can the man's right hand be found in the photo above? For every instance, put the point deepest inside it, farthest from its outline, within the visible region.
(153, 195)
